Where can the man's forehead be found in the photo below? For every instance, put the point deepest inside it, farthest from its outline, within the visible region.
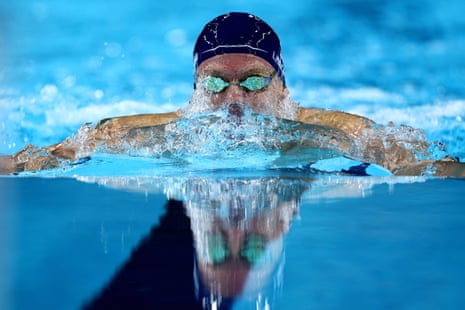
(233, 65)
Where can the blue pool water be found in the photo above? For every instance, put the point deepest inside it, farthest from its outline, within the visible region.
(355, 242)
(112, 231)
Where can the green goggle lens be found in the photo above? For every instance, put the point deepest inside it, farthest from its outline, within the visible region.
(254, 83)
(253, 249)
(217, 249)
(214, 84)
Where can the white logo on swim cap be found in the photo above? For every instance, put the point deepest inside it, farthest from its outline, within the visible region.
(279, 61)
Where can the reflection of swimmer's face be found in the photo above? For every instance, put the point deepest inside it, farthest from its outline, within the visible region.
(228, 249)
(229, 255)
(235, 69)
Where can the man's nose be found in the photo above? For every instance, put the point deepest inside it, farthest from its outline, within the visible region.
(235, 93)
(235, 239)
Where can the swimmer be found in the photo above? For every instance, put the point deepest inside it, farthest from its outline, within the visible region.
(238, 64)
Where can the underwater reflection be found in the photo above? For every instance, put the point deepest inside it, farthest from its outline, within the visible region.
(220, 243)
(238, 228)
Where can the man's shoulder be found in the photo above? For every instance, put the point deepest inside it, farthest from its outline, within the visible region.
(139, 120)
(309, 114)
(347, 122)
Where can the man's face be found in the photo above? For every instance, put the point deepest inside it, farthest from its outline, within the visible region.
(234, 69)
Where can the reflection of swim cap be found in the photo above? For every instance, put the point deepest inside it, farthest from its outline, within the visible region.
(239, 33)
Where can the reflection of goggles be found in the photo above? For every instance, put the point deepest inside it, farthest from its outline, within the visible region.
(252, 83)
(263, 283)
(251, 251)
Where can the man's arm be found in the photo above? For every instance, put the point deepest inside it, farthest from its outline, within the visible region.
(355, 127)
(107, 131)
(7, 164)
(386, 151)
(445, 167)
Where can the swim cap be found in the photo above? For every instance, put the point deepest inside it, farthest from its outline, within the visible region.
(239, 33)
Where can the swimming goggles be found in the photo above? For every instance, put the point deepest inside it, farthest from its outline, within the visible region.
(251, 83)
(252, 250)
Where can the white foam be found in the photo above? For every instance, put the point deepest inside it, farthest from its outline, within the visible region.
(423, 116)
(329, 97)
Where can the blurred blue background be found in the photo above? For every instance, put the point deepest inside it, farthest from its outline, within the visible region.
(63, 63)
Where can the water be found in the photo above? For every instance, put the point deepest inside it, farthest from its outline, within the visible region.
(77, 234)
(340, 242)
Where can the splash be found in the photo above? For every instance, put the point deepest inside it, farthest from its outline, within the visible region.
(397, 145)
(242, 138)
(220, 139)
(285, 107)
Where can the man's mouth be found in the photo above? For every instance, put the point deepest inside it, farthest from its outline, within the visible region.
(235, 109)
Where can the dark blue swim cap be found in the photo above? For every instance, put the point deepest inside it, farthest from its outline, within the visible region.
(239, 33)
